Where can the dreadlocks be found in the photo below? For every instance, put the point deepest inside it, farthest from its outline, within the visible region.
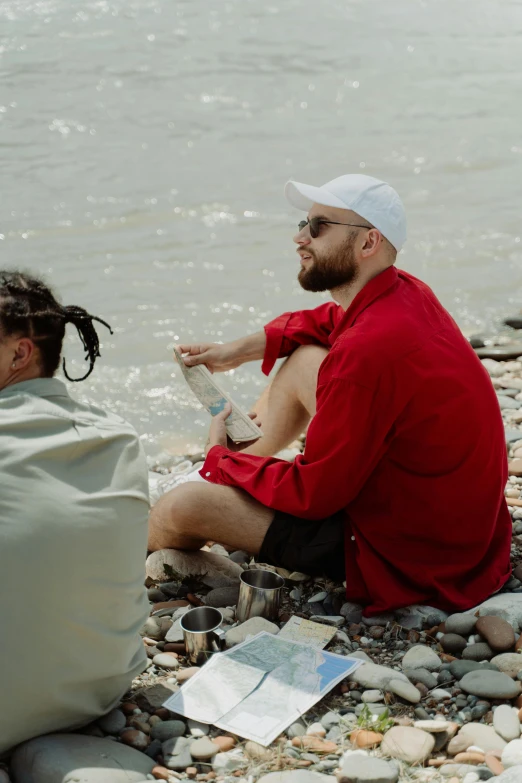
(28, 308)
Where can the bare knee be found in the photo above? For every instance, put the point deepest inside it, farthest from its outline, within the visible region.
(172, 519)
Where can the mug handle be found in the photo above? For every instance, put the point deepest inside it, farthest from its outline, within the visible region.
(220, 637)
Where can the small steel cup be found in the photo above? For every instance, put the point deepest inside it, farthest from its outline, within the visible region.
(202, 633)
(259, 595)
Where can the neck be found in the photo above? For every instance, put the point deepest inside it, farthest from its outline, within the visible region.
(345, 294)
(18, 376)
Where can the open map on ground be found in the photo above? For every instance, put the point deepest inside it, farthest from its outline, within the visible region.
(297, 629)
(210, 394)
(260, 687)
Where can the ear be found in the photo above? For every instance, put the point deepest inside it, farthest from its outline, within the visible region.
(25, 353)
(372, 243)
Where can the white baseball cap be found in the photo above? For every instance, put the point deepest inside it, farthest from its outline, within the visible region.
(374, 200)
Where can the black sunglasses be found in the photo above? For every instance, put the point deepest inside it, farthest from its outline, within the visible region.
(315, 224)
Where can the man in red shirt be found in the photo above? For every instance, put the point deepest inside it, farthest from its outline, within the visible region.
(400, 490)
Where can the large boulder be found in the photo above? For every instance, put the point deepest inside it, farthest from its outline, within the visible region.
(211, 569)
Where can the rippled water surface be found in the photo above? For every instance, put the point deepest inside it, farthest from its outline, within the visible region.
(145, 145)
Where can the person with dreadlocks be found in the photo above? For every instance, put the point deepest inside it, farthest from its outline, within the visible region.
(73, 527)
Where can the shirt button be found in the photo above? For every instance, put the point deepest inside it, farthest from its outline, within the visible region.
(207, 473)
(353, 538)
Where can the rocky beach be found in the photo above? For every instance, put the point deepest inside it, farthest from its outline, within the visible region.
(437, 698)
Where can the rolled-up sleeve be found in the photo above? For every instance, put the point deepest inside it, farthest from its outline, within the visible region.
(305, 327)
(345, 440)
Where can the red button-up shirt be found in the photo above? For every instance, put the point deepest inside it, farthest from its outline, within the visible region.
(407, 438)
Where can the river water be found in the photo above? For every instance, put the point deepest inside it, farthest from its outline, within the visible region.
(145, 146)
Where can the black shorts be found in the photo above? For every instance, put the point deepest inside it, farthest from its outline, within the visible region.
(313, 547)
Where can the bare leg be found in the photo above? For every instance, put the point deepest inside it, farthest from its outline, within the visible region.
(194, 513)
(288, 404)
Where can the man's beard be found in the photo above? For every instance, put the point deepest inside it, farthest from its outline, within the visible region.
(331, 271)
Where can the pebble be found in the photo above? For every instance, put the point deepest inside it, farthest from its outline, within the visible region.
(351, 612)
(512, 754)
(161, 773)
(229, 761)
(421, 675)
(373, 696)
(330, 719)
(52, 758)
(224, 743)
(316, 730)
(484, 737)
(113, 722)
(505, 605)
(405, 690)
(296, 776)
(490, 685)
(420, 657)
(460, 623)
(176, 752)
(439, 694)
(249, 628)
(186, 674)
(363, 738)
(432, 726)
(197, 729)
(506, 722)
(494, 764)
(407, 744)
(222, 596)
(166, 661)
(453, 643)
(460, 668)
(203, 749)
(469, 757)
(135, 739)
(508, 663)
(167, 729)
(314, 744)
(297, 729)
(379, 619)
(356, 768)
(374, 676)
(480, 651)
(211, 569)
(318, 597)
(497, 632)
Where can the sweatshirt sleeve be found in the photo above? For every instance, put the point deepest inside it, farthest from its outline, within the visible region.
(305, 327)
(345, 440)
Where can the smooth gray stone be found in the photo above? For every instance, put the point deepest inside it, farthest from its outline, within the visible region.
(167, 729)
(379, 619)
(490, 685)
(367, 769)
(177, 753)
(297, 775)
(412, 622)
(222, 596)
(453, 643)
(508, 402)
(421, 657)
(461, 623)
(76, 758)
(460, 668)
(351, 612)
(477, 652)
(500, 353)
(506, 605)
(239, 557)
(297, 729)
(113, 722)
(512, 435)
(375, 709)
(330, 719)
(421, 675)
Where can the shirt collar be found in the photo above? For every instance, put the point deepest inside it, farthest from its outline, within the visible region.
(40, 387)
(371, 291)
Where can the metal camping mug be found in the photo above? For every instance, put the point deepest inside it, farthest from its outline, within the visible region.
(202, 633)
(259, 595)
